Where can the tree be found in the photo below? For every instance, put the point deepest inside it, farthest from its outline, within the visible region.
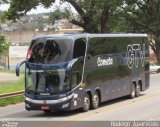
(4, 45)
(93, 16)
(4, 1)
(1, 13)
(143, 16)
(56, 15)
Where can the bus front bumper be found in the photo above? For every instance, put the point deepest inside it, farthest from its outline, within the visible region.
(52, 105)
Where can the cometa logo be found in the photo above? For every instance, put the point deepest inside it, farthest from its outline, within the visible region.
(104, 62)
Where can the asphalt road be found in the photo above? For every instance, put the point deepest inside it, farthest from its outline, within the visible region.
(146, 108)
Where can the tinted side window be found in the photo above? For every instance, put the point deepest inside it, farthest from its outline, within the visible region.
(79, 48)
(108, 45)
(96, 46)
(100, 46)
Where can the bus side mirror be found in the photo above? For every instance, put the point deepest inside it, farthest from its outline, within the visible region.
(18, 67)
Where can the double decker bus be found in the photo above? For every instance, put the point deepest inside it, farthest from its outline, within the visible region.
(72, 71)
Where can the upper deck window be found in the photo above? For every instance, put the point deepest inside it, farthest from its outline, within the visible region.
(49, 51)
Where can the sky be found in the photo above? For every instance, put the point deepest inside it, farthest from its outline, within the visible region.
(40, 9)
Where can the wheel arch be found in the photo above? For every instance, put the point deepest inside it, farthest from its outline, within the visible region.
(134, 82)
(140, 83)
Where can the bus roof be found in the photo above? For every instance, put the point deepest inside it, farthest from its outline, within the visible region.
(118, 35)
(71, 36)
(75, 36)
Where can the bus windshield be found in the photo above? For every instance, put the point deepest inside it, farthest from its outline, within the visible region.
(49, 51)
(47, 81)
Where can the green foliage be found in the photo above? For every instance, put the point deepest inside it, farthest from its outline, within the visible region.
(1, 13)
(4, 1)
(11, 100)
(93, 15)
(21, 7)
(56, 15)
(4, 45)
(144, 17)
(12, 86)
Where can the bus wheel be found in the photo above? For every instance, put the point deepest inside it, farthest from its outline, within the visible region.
(86, 103)
(95, 102)
(133, 91)
(138, 90)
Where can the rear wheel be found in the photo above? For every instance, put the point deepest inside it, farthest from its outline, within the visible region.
(86, 103)
(96, 100)
(133, 91)
(158, 70)
(138, 90)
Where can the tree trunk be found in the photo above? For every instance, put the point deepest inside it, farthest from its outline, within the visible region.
(158, 58)
(104, 20)
(157, 48)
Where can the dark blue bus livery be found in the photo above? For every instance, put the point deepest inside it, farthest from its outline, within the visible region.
(72, 71)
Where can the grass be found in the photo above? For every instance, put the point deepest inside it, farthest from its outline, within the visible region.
(12, 86)
(11, 100)
(11, 71)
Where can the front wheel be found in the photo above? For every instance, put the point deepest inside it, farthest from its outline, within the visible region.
(86, 103)
(133, 91)
(95, 102)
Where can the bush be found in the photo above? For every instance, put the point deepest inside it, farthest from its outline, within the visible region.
(4, 45)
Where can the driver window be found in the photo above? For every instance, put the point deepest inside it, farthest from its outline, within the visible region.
(76, 74)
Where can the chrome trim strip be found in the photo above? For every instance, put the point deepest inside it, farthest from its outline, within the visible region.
(49, 101)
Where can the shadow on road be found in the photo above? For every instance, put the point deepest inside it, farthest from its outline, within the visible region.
(121, 99)
(40, 114)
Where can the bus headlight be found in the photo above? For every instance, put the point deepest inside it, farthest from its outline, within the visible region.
(63, 99)
(27, 99)
(65, 105)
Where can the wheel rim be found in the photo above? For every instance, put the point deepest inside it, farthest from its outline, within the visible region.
(86, 103)
(133, 91)
(95, 101)
(138, 90)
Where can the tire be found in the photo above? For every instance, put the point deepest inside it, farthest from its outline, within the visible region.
(158, 71)
(133, 91)
(138, 90)
(86, 103)
(95, 101)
